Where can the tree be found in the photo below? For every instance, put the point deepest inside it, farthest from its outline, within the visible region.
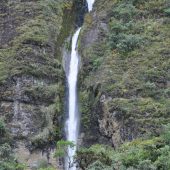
(62, 150)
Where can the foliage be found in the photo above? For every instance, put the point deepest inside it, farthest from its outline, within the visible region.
(121, 36)
(86, 157)
(5, 151)
(33, 49)
(98, 166)
(140, 154)
(133, 72)
(2, 128)
(7, 160)
(12, 166)
(62, 148)
(39, 30)
(49, 168)
(125, 11)
(167, 11)
(124, 42)
(166, 134)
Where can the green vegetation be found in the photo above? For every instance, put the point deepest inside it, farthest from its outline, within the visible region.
(62, 147)
(62, 150)
(2, 128)
(51, 132)
(7, 160)
(141, 154)
(32, 50)
(133, 70)
(49, 168)
(123, 35)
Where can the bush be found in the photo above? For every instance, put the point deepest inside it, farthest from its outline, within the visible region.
(49, 168)
(2, 128)
(167, 11)
(5, 151)
(129, 42)
(166, 134)
(98, 166)
(148, 154)
(122, 36)
(11, 165)
(62, 148)
(125, 11)
(7, 160)
(100, 153)
(146, 165)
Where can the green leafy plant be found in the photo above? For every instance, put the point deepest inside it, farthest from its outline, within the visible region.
(62, 150)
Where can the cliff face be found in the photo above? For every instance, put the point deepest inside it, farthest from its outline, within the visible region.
(124, 85)
(124, 82)
(31, 74)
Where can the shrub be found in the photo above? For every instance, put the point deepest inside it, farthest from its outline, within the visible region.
(140, 154)
(7, 160)
(5, 151)
(166, 134)
(122, 35)
(2, 128)
(86, 157)
(124, 11)
(98, 166)
(167, 11)
(146, 165)
(128, 43)
(49, 168)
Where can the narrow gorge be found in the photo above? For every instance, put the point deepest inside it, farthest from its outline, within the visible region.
(73, 122)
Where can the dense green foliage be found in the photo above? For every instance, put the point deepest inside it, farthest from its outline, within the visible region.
(141, 154)
(62, 150)
(62, 147)
(7, 159)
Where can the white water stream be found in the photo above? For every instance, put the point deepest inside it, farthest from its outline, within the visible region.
(72, 124)
(73, 120)
(90, 4)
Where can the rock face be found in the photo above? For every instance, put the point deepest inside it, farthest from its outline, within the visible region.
(124, 77)
(31, 76)
(30, 122)
(32, 79)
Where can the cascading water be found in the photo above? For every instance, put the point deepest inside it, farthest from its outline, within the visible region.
(73, 120)
(72, 124)
(90, 4)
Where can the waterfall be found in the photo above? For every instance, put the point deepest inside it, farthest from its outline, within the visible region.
(90, 4)
(73, 119)
(72, 123)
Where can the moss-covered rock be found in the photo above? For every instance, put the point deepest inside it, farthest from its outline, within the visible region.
(125, 72)
(32, 78)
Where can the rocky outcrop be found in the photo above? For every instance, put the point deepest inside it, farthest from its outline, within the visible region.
(124, 77)
(32, 77)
